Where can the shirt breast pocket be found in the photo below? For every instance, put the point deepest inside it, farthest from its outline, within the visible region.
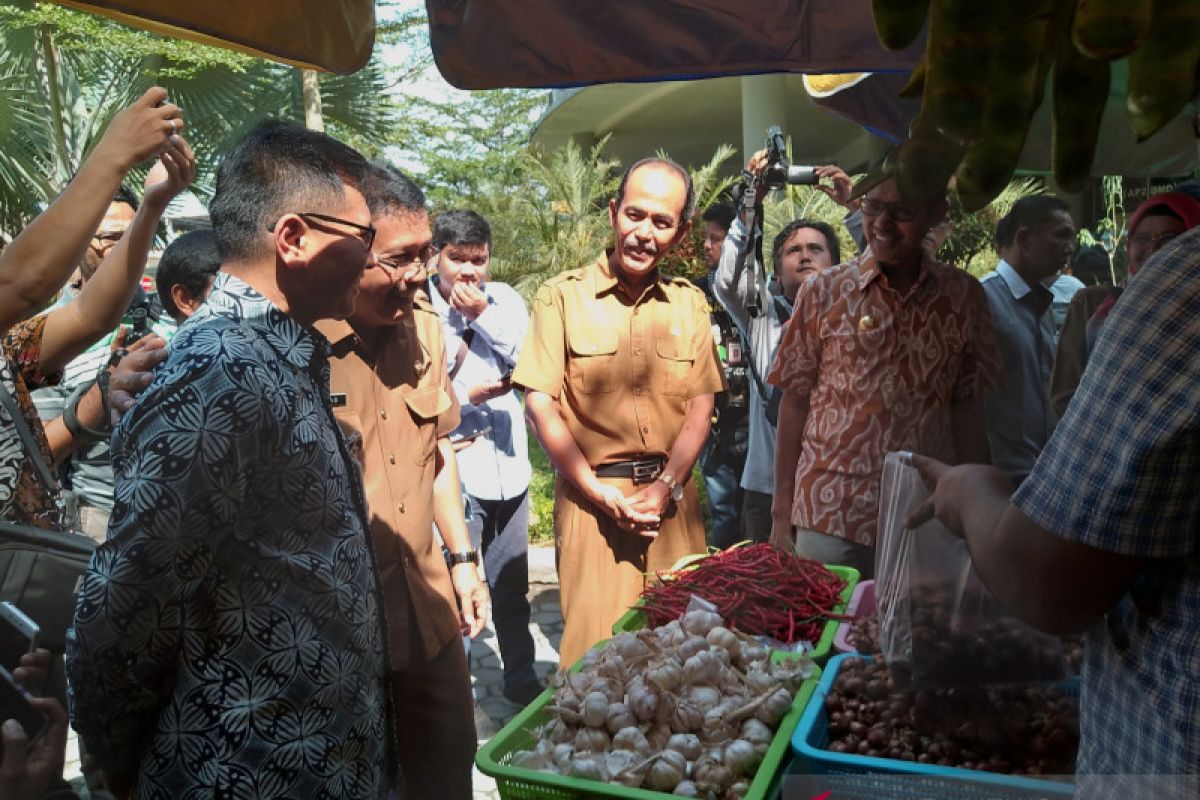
(674, 363)
(855, 361)
(592, 363)
(426, 405)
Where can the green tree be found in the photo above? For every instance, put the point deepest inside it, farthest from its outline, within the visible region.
(66, 73)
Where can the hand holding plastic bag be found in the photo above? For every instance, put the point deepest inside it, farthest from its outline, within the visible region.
(938, 624)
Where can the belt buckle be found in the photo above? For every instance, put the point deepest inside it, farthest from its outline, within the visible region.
(646, 471)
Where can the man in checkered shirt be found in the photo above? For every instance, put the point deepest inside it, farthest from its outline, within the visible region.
(1104, 535)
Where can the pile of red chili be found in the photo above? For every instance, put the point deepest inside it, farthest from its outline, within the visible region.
(758, 589)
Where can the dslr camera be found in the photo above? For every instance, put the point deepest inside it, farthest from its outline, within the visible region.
(779, 172)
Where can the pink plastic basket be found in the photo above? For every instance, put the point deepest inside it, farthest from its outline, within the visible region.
(862, 602)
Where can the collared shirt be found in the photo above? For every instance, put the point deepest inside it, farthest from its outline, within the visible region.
(882, 373)
(763, 332)
(23, 497)
(1063, 287)
(496, 464)
(1019, 418)
(229, 640)
(392, 398)
(90, 467)
(622, 368)
(1120, 475)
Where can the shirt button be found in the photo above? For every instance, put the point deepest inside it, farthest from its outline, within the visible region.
(401, 507)
(645, 430)
(383, 414)
(391, 459)
(637, 351)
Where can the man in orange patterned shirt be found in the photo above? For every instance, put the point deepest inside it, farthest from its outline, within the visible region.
(891, 351)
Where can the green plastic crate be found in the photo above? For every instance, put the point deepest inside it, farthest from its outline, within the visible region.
(515, 783)
(634, 620)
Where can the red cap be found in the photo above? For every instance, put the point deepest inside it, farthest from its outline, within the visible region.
(1186, 207)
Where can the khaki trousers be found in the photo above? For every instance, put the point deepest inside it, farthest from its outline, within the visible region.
(602, 569)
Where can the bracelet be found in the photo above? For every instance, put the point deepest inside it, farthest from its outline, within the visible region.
(70, 416)
(468, 557)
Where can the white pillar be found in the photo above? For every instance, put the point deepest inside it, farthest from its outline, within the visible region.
(764, 103)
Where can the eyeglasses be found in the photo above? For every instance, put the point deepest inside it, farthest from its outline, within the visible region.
(364, 233)
(900, 213)
(406, 259)
(1150, 240)
(107, 239)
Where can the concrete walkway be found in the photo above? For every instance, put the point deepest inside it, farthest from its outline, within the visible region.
(486, 674)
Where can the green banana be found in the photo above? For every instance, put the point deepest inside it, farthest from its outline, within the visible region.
(1110, 29)
(991, 157)
(1081, 87)
(898, 22)
(916, 80)
(1162, 72)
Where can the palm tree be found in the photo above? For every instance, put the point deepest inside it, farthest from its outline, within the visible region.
(65, 74)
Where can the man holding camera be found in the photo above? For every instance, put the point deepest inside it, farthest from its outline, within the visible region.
(800, 250)
(620, 371)
(725, 452)
(74, 412)
(890, 351)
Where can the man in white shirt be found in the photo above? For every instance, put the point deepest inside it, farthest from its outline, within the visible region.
(485, 323)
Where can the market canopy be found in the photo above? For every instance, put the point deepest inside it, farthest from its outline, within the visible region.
(333, 35)
(488, 44)
(485, 44)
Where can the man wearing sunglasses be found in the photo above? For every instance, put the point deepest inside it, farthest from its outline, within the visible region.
(890, 351)
(229, 636)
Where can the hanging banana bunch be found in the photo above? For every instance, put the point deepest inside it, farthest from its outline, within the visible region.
(984, 74)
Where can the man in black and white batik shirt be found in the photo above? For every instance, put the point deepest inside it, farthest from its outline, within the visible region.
(229, 640)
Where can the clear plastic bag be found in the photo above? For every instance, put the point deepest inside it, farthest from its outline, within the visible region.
(938, 624)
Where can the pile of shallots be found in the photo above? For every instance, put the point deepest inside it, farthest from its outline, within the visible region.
(688, 708)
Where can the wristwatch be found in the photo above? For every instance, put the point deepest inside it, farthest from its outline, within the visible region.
(467, 557)
(675, 486)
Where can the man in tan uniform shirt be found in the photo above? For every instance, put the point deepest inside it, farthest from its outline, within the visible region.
(392, 397)
(620, 371)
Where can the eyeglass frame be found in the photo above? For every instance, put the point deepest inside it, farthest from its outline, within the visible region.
(106, 239)
(368, 231)
(1155, 242)
(422, 257)
(907, 213)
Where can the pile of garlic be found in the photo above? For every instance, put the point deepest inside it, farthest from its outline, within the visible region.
(688, 708)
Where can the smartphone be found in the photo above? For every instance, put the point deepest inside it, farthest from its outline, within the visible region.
(18, 635)
(14, 704)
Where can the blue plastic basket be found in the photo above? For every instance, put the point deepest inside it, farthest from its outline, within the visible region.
(869, 778)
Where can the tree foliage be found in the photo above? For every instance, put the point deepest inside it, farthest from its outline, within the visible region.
(66, 73)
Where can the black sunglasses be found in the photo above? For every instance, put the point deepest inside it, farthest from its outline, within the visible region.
(364, 233)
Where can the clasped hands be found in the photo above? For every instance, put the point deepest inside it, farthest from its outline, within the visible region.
(640, 512)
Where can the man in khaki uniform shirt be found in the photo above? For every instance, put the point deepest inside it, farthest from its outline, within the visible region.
(620, 370)
(392, 397)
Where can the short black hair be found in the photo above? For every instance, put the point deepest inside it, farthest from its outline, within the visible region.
(387, 189)
(278, 168)
(689, 198)
(1028, 212)
(1091, 265)
(721, 213)
(191, 260)
(461, 226)
(125, 195)
(824, 228)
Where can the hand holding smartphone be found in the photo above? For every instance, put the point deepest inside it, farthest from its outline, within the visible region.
(18, 636)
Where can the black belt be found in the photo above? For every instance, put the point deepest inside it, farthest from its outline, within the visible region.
(642, 470)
